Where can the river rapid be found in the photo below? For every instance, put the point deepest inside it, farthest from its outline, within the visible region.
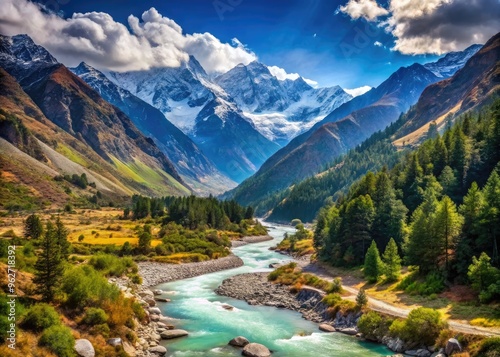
(199, 310)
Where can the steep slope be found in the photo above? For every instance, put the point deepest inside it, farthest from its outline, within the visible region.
(74, 107)
(203, 111)
(344, 128)
(195, 168)
(477, 83)
(280, 110)
(447, 66)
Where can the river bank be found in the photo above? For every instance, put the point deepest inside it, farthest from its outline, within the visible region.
(255, 289)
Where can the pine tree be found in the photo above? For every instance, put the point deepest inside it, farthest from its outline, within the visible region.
(49, 265)
(392, 261)
(361, 299)
(490, 222)
(448, 226)
(422, 247)
(33, 227)
(61, 233)
(467, 243)
(373, 267)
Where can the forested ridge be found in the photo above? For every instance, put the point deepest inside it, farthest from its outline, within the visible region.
(440, 204)
(305, 199)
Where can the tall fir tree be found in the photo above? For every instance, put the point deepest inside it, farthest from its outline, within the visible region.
(490, 222)
(49, 265)
(448, 225)
(392, 261)
(373, 267)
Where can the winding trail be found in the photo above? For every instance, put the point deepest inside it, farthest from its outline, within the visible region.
(389, 309)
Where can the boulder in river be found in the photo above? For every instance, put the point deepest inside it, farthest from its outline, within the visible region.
(227, 307)
(158, 292)
(84, 348)
(348, 331)
(239, 341)
(160, 299)
(169, 334)
(256, 350)
(155, 311)
(327, 328)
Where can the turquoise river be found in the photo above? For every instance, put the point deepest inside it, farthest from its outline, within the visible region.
(198, 310)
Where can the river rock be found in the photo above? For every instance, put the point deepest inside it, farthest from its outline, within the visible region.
(394, 344)
(157, 292)
(84, 348)
(326, 328)
(439, 353)
(169, 334)
(418, 353)
(239, 341)
(160, 299)
(227, 307)
(256, 350)
(348, 331)
(155, 310)
(158, 350)
(116, 341)
(452, 346)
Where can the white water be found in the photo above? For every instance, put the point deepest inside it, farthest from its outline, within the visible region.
(198, 310)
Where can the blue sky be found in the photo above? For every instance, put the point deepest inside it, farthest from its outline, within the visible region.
(351, 48)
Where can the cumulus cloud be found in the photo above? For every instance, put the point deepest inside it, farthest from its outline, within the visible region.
(435, 26)
(358, 91)
(281, 74)
(152, 41)
(377, 44)
(368, 9)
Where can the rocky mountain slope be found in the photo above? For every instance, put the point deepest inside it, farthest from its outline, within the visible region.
(194, 167)
(96, 135)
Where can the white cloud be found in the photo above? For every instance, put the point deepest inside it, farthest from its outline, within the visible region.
(432, 26)
(368, 9)
(281, 74)
(153, 40)
(358, 91)
(377, 44)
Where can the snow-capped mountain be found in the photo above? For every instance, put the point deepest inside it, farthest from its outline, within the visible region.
(177, 92)
(205, 112)
(447, 66)
(279, 109)
(189, 160)
(20, 56)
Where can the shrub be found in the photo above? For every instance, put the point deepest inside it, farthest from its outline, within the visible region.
(373, 326)
(361, 299)
(101, 330)
(95, 316)
(86, 287)
(111, 264)
(335, 286)
(136, 279)
(490, 347)
(332, 299)
(39, 317)
(422, 326)
(59, 340)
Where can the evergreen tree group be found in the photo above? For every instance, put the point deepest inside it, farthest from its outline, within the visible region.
(438, 206)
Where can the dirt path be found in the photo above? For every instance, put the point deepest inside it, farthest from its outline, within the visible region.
(386, 308)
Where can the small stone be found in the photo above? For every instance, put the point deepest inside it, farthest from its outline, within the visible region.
(239, 341)
(348, 331)
(158, 292)
(160, 299)
(169, 334)
(227, 307)
(256, 350)
(84, 348)
(116, 341)
(327, 328)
